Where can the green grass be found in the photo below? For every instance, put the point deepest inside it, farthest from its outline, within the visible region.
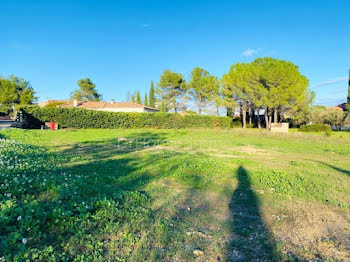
(157, 195)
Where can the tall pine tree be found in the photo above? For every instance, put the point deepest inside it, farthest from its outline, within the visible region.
(87, 91)
(152, 99)
(172, 87)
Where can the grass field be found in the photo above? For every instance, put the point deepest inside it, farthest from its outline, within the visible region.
(174, 195)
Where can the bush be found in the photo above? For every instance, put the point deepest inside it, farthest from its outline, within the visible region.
(334, 117)
(316, 128)
(82, 118)
(317, 115)
(237, 122)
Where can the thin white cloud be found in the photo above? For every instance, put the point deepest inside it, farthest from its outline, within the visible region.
(250, 52)
(145, 25)
(329, 101)
(324, 100)
(330, 81)
(342, 90)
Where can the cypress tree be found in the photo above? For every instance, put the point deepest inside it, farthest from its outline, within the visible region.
(152, 99)
(145, 100)
(138, 98)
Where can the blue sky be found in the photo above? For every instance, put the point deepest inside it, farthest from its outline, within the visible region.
(123, 45)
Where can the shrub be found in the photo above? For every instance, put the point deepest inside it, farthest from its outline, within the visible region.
(334, 117)
(316, 128)
(317, 115)
(323, 115)
(236, 123)
(82, 118)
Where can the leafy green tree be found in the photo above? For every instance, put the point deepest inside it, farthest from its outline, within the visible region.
(284, 84)
(274, 85)
(236, 84)
(15, 90)
(24, 90)
(202, 87)
(138, 98)
(172, 87)
(26, 97)
(8, 95)
(152, 98)
(334, 117)
(217, 101)
(317, 115)
(145, 100)
(87, 91)
(163, 107)
(256, 93)
(300, 111)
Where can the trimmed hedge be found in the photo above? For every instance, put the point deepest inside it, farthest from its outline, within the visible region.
(316, 128)
(82, 118)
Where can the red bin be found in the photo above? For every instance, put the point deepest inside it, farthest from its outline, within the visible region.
(52, 125)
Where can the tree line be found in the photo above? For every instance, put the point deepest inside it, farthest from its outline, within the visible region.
(258, 93)
(261, 92)
(264, 90)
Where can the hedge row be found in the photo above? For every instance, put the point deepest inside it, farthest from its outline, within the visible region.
(315, 128)
(82, 118)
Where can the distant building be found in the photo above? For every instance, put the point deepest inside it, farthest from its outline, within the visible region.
(341, 107)
(100, 106)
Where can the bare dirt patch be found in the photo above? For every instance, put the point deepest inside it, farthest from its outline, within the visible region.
(312, 231)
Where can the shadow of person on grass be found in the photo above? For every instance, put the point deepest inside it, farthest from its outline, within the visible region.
(250, 238)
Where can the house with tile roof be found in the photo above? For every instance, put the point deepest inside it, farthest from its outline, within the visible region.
(341, 107)
(100, 106)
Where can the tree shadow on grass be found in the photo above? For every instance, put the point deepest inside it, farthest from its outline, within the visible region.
(251, 239)
(85, 203)
(102, 149)
(344, 171)
(112, 169)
